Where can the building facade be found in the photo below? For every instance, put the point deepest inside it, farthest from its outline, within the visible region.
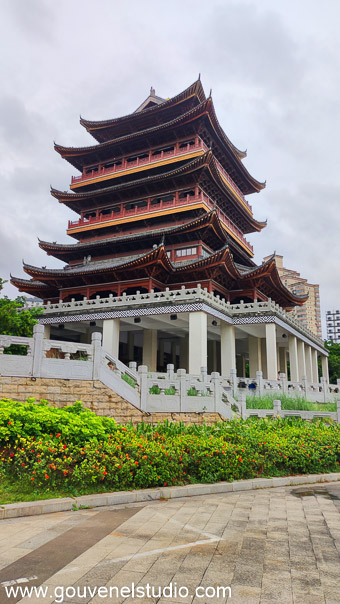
(308, 313)
(333, 325)
(161, 264)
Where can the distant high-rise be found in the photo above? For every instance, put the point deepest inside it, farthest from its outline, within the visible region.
(333, 325)
(309, 313)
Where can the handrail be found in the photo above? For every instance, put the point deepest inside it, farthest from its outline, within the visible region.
(148, 207)
(185, 295)
(124, 164)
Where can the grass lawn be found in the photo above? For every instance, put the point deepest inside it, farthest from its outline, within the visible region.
(298, 403)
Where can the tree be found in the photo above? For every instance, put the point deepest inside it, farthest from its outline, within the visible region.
(15, 321)
(333, 361)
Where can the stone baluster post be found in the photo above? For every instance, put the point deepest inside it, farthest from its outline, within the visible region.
(170, 371)
(96, 341)
(259, 380)
(216, 382)
(284, 384)
(277, 407)
(38, 339)
(181, 375)
(143, 384)
(133, 365)
(204, 374)
(233, 379)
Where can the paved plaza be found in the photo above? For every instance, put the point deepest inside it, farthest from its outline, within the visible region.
(269, 545)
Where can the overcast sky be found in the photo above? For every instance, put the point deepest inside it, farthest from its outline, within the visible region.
(273, 66)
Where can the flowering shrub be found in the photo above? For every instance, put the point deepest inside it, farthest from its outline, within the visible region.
(72, 448)
(32, 420)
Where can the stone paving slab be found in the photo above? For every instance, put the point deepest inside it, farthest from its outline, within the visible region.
(274, 544)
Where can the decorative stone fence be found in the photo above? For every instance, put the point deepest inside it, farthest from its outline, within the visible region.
(314, 392)
(178, 392)
(180, 296)
(277, 411)
(152, 392)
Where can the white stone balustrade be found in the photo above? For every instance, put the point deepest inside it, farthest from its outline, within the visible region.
(155, 391)
(180, 296)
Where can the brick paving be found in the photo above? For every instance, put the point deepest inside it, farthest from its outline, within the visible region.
(269, 545)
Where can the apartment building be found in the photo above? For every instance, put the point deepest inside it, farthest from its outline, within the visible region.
(309, 313)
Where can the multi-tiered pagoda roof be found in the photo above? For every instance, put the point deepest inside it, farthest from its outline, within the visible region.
(160, 203)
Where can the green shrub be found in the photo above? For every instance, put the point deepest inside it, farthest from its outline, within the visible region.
(35, 420)
(129, 380)
(71, 450)
(154, 389)
(192, 392)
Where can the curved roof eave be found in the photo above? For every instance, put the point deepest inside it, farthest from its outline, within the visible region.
(200, 222)
(194, 89)
(72, 153)
(269, 268)
(203, 161)
(155, 254)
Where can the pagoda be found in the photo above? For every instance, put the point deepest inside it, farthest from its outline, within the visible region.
(160, 203)
(161, 207)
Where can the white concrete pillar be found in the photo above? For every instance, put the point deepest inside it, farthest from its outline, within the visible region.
(271, 351)
(111, 336)
(293, 359)
(315, 366)
(283, 360)
(150, 349)
(254, 347)
(301, 359)
(324, 365)
(198, 354)
(228, 345)
(183, 352)
(264, 358)
(309, 367)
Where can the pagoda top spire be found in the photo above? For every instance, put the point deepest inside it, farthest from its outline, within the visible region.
(150, 101)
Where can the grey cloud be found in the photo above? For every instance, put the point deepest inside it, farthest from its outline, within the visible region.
(274, 68)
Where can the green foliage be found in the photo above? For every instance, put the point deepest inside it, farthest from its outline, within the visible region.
(129, 380)
(333, 361)
(298, 403)
(71, 450)
(36, 420)
(154, 389)
(192, 392)
(16, 322)
(170, 391)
